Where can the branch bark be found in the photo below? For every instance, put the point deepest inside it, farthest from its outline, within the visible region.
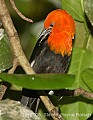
(13, 37)
(76, 92)
(84, 93)
(18, 52)
(18, 12)
(15, 64)
(2, 91)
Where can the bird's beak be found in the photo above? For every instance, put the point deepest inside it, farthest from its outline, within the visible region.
(45, 33)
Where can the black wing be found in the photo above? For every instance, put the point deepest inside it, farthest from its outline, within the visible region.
(43, 60)
(30, 96)
(42, 38)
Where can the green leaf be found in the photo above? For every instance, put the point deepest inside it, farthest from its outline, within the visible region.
(83, 39)
(81, 60)
(87, 76)
(89, 42)
(88, 5)
(40, 81)
(75, 8)
(5, 52)
(80, 35)
(76, 108)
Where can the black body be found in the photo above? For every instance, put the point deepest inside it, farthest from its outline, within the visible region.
(44, 61)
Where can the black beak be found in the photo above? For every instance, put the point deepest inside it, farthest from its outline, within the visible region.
(45, 33)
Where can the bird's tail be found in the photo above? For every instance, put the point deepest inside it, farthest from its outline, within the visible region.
(30, 99)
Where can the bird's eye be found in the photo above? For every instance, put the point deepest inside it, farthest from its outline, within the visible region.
(52, 24)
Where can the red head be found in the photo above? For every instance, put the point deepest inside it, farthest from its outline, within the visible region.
(60, 39)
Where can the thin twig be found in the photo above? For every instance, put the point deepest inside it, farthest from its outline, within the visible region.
(2, 91)
(18, 52)
(52, 109)
(76, 92)
(15, 64)
(19, 13)
(3, 88)
(84, 93)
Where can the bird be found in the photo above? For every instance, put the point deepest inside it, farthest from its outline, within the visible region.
(53, 50)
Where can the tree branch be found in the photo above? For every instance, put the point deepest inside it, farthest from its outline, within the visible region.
(2, 91)
(18, 12)
(84, 93)
(18, 52)
(76, 92)
(13, 37)
(15, 64)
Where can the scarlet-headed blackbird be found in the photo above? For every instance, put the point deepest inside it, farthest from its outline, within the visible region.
(52, 52)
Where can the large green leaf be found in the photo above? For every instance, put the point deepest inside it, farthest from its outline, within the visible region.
(75, 8)
(83, 38)
(88, 5)
(87, 76)
(81, 60)
(75, 108)
(5, 52)
(80, 35)
(40, 81)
